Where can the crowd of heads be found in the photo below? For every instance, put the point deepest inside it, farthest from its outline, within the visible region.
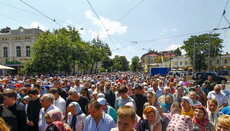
(134, 101)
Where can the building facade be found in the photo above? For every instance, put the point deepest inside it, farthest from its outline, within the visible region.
(15, 46)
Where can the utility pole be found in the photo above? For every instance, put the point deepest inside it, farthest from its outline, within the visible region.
(194, 54)
(209, 54)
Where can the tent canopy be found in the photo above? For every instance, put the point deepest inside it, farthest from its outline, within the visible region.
(2, 67)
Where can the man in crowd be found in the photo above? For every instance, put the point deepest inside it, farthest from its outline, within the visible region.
(7, 115)
(47, 104)
(98, 120)
(220, 97)
(33, 110)
(59, 101)
(123, 98)
(75, 96)
(139, 99)
(109, 94)
(10, 100)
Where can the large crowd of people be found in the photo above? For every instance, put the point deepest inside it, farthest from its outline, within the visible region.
(112, 101)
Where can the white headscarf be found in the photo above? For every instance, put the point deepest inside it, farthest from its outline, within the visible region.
(157, 117)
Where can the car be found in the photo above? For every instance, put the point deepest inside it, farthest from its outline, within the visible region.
(223, 73)
(215, 77)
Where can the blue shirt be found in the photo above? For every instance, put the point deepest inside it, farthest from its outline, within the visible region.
(106, 123)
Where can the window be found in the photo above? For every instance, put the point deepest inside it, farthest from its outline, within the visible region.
(217, 61)
(180, 63)
(18, 51)
(186, 63)
(5, 52)
(27, 51)
(225, 61)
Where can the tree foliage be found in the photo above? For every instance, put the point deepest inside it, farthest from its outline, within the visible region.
(120, 63)
(135, 64)
(61, 50)
(202, 49)
(177, 51)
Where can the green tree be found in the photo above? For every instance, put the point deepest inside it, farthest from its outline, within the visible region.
(55, 52)
(177, 51)
(120, 63)
(202, 49)
(107, 63)
(135, 64)
(97, 53)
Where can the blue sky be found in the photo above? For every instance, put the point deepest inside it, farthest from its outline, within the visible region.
(151, 25)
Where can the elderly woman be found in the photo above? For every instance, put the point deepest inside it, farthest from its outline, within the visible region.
(152, 121)
(168, 103)
(152, 101)
(212, 110)
(193, 96)
(76, 117)
(200, 120)
(187, 106)
(179, 94)
(53, 115)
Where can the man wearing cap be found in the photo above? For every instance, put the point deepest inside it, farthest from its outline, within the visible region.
(108, 109)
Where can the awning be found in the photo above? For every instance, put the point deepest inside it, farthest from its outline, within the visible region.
(190, 68)
(217, 67)
(225, 67)
(2, 67)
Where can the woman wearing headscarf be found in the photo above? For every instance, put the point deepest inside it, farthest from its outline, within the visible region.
(179, 94)
(168, 103)
(200, 120)
(76, 117)
(212, 110)
(187, 106)
(175, 109)
(152, 121)
(152, 101)
(53, 115)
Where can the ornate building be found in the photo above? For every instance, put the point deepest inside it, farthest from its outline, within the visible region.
(15, 46)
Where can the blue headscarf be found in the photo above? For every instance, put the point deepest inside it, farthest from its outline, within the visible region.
(74, 118)
(166, 107)
(78, 107)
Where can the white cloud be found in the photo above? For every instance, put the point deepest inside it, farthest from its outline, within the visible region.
(36, 24)
(80, 28)
(173, 30)
(174, 46)
(165, 31)
(114, 27)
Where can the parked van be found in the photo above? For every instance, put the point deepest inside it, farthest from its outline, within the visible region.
(178, 72)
